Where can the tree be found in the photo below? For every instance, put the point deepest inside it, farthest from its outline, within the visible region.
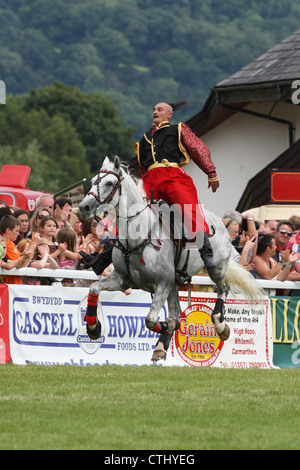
(95, 118)
(123, 49)
(48, 143)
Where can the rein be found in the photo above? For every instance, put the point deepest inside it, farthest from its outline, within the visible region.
(127, 252)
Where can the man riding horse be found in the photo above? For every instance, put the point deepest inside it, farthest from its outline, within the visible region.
(161, 153)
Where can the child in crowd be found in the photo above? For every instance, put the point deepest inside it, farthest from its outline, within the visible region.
(45, 260)
(68, 258)
(48, 229)
(10, 228)
(8, 264)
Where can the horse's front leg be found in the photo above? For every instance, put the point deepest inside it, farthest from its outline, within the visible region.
(162, 345)
(113, 282)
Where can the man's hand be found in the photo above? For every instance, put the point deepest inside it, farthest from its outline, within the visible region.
(213, 185)
(213, 181)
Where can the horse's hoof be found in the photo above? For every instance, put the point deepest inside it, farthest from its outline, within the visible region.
(173, 324)
(95, 332)
(222, 329)
(225, 333)
(159, 354)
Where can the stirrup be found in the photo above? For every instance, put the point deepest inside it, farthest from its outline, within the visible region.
(182, 277)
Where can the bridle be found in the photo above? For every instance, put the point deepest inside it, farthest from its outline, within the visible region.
(126, 250)
(114, 190)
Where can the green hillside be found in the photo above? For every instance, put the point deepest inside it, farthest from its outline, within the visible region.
(82, 76)
(137, 51)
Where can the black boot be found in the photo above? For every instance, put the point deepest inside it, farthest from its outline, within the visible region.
(87, 258)
(98, 261)
(207, 253)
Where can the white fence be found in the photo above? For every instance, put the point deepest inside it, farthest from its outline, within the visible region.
(59, 274)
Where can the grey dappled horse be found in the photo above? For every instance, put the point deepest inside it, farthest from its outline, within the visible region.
(143, 255)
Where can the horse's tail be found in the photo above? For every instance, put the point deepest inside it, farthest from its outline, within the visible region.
(240, 279)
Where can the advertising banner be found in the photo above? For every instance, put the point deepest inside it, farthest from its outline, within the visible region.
(47, 327)
(249, 345)
(286, 326)
(4, 325)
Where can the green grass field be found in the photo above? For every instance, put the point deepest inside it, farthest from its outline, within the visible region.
(148, 408)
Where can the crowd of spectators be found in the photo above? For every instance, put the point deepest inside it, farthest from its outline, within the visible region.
(51, 237)
(269, 249)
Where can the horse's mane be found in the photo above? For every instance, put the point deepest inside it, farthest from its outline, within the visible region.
(134, 181)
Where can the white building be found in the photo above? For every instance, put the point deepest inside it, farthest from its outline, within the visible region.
(251, 125)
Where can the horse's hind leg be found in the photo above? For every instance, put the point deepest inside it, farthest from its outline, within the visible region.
(218, 276)
(159, 298)
(162, 345)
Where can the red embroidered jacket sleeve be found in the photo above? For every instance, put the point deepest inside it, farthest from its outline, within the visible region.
(197, 150)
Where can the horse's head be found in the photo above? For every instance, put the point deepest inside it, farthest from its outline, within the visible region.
(105, 189)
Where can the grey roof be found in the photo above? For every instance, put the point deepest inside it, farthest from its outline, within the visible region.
(280, 63)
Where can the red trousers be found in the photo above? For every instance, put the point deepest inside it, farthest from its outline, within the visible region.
(174, 186)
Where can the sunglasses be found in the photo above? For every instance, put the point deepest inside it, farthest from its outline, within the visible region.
(285, 232)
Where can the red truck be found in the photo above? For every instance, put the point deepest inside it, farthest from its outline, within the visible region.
(13, 190)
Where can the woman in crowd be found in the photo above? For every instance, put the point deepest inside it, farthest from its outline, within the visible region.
(77, 223)
(23, 217)
(37, 217)
(266, 267)
(247, 249)
(92, 232)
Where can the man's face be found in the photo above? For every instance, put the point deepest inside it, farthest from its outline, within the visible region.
(47, 201)
(271, 226)
(283, 235)
(162, 112)
(68, 209)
